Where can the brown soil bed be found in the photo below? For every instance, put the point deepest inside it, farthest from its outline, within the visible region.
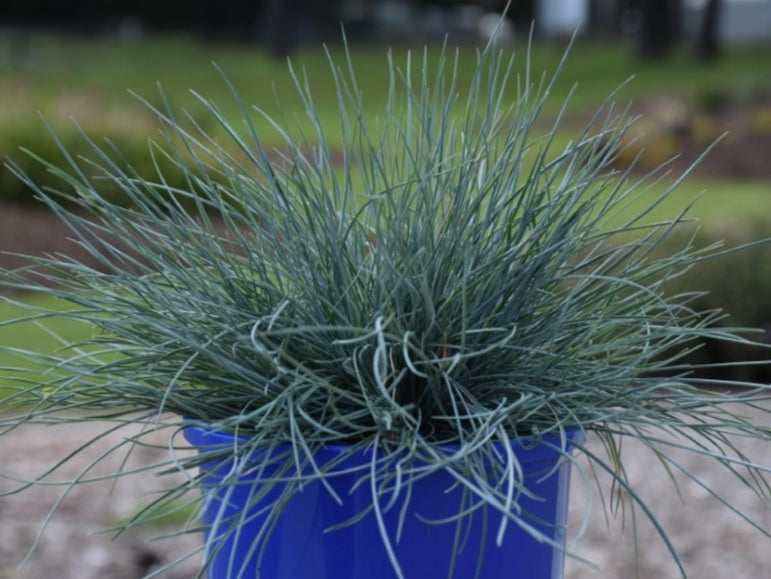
(28, 229)
(672, 130)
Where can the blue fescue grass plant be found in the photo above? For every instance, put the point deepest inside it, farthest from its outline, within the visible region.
(447, 276)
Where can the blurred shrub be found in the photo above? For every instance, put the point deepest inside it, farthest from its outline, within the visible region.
(739, 284)
(720, 97)
(129, 130)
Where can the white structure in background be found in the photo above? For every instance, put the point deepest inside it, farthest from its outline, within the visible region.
(741, 21)
(561, 17)
(491, 23)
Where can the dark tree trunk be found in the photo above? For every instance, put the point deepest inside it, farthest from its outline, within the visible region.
(659, 27)
(708, 43)
(280, 27)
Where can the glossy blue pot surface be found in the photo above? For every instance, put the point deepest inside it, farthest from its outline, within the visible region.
(309, 542)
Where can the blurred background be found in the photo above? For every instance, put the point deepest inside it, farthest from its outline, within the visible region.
(697, 71)
(283, 25)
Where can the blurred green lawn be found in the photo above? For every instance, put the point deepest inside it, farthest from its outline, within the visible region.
(57, 71)
(90, 82)
(90, 79)
(44, 335)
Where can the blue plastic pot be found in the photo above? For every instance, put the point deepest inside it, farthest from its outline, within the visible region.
(301, 546)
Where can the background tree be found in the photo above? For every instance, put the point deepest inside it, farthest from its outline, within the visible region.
(659, 27)
(708, 41)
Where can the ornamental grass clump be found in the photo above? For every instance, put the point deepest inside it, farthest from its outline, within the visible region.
(450, 278)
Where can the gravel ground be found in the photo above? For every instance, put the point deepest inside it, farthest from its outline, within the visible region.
(74, 544)
(713, 543)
